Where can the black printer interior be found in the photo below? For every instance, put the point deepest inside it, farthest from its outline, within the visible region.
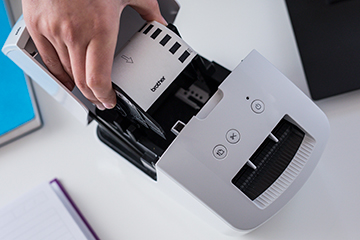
(182, 100)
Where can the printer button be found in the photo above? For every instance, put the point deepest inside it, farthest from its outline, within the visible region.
(257, 106)
(233, 136)
(220, 152)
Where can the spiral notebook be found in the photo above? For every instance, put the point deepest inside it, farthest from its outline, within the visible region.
(19, 114)
(45, 212)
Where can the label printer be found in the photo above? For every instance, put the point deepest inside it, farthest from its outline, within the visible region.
(232, 146)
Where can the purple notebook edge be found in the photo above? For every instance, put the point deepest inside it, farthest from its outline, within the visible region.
(75, 207)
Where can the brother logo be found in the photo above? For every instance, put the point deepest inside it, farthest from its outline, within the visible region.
(158, 84)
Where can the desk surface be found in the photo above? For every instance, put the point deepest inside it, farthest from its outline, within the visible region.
(120, 202)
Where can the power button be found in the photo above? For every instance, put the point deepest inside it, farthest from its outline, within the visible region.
(257, 106)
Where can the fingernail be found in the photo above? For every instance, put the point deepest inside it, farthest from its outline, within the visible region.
(109, 105)
(100, 107)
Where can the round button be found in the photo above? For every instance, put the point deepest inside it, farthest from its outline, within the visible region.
(233, 136)
(257, 106)
(219, 151)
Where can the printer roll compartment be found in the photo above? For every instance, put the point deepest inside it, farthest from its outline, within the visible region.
(143, 142)
(183, 99)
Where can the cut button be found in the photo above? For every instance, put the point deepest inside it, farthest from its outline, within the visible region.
(233, 136)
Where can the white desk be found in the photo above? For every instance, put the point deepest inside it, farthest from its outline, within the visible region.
(121, 202)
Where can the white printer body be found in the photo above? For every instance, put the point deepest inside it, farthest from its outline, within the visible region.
(232, 146)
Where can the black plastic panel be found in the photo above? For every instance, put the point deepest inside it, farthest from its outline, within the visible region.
(328, 36)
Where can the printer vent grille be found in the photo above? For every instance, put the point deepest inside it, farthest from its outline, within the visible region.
(275, 164)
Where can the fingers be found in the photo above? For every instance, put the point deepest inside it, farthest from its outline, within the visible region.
(78, 44)
(99, 61)
(77, 55)
(52, 61)
(63, 54)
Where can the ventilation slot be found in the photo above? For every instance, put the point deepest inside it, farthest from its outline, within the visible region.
(271, 160)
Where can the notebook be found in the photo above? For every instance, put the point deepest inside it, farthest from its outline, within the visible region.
(46, 212)
(18, 110)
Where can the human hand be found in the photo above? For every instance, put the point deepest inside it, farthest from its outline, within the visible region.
(76, 40)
